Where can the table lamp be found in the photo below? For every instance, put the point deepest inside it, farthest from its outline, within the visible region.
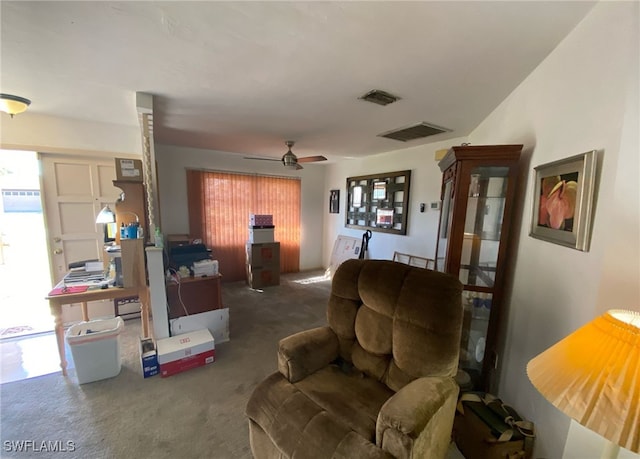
(106, 215)
(593, 376)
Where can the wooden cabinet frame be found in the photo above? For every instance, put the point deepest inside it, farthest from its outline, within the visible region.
(466, 199)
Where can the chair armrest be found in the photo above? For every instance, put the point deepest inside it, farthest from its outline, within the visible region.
(417, 420)
(306, 352)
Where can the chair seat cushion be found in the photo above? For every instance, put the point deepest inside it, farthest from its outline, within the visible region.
(350, 398)
(327, 414)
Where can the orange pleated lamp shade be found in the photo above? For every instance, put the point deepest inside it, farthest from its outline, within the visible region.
(593, 376)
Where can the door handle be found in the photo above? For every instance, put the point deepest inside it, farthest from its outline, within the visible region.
(57, 251)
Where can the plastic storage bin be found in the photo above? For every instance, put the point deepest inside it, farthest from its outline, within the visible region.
(95, 347)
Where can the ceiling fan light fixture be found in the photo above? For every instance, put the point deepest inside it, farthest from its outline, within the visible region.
(289, 159)
(13, 104)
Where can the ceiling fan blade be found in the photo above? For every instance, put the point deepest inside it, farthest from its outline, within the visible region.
(311, 159)
(298, 167)
(264, 159)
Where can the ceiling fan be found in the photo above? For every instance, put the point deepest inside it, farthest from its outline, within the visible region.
(290, 161)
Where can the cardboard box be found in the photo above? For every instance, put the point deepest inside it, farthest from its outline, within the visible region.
(263, 276)
(180, 353)
(129, 170)
(260, 235)
(187, 363)
(260, 220)
(263, 254)
(148, 358)
(476, 432)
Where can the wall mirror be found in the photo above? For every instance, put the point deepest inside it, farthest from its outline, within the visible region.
(378, 202)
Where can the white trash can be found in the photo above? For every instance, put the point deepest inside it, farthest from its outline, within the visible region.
(95, 347)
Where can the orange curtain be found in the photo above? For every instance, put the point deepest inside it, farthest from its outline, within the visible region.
(219, 208)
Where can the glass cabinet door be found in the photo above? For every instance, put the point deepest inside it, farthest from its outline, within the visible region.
(446, 214)
(482, 225)
(477, 310)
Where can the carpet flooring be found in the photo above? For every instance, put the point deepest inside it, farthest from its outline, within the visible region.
(195, 414)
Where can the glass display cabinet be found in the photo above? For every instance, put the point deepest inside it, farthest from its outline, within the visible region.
(478, 190)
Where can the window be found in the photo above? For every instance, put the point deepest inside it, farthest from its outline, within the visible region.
(219, 208)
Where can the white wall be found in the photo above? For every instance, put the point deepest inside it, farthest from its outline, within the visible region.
(422, 228)
(584, 96)
(172, 181)
(29, 131)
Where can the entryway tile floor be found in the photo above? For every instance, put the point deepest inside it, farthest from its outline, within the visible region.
(30, 356)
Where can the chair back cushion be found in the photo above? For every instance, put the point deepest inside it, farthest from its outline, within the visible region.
(396, 322)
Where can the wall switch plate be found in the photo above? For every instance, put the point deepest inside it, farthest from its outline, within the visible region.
(435, 205)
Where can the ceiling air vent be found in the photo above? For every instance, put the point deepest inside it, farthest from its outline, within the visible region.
(379, 97)
(417, 131)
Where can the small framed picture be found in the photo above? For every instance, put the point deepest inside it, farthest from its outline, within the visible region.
(563, 201)
(334, 201)
(384, 218)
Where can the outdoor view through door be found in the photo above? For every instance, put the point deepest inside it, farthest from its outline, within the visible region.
(24, 264)
(219, 207)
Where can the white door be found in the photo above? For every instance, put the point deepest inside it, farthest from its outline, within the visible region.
(75, 189)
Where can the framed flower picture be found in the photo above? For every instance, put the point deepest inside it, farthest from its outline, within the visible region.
(563, 199)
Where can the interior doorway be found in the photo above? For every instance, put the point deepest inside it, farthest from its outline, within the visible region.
(24, 261)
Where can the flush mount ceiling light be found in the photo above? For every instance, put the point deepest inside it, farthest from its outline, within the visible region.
(13, 104)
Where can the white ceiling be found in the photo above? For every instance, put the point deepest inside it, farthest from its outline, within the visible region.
(246, 76)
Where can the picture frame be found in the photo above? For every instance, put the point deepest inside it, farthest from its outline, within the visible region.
(563, 198)
(334, 201)
(384, 217)
(362, 201)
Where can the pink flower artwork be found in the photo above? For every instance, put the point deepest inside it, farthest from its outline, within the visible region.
(557, 202)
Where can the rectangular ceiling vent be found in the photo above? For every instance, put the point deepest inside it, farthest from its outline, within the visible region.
(379, 97)
(417, 131)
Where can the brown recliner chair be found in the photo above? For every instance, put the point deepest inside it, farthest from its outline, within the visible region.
(378, 382)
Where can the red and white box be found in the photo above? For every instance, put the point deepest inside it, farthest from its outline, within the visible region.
(184, 352)
(260, 220)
